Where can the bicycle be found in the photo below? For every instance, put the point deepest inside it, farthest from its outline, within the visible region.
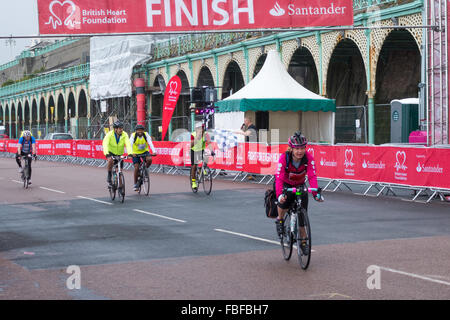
(143, 178)
(291, 234)
(203, 176)
(118, 180)
(25, 175)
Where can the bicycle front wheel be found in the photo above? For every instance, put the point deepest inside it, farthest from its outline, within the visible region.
(207, 180)
(121, 187)
(113, 187)
(304, 256)
(146, 182)
(26, 177)
(286, 240)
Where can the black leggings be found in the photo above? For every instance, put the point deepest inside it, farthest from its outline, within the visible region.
(28, 159)
(290, 201)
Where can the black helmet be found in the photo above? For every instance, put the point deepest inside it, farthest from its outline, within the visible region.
(139, 127)
(118, 124)
(297, 140)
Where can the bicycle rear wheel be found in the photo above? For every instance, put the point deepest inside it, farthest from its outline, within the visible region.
(207, 180)
(121, 188)
(304, 258)
(286, 240)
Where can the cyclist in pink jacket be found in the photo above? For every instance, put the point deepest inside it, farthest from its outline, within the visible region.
(293, 167)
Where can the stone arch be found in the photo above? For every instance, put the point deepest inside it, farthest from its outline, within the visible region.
(398, 74)
(20, 118)
(82, 104)
(71, 105)
(42, 111)
(13, 113)
(50, 105)
(182, 114)
(60, 113)
(27, 115)
(258, 65)
(232, 79)
(2, 115)
(34, 116)
(7, 119)
(303, 69)
(331, 40)
(199, 66)
(157, 100)
(205, 77)
(346, 76)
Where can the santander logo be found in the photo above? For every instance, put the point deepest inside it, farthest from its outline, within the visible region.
(56, 21)
(277, 11)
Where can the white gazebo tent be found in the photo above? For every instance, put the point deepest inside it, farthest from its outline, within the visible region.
(274, 90)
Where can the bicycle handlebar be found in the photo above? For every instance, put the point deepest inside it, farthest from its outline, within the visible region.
(300, 191)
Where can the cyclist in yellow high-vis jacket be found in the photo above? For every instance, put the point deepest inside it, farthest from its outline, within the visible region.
(199, 139)
(141, 143)
(114, 144)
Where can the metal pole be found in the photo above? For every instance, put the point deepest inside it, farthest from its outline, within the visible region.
(432, 106)
(441, 70)
(446, 73)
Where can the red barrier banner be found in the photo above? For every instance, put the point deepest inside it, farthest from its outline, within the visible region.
(168, 153)
(63, 147)
(12, 146)
(97, 149)
(45, 147)
(3, 145)
(137, 16)
(83, 149)
(421, 167)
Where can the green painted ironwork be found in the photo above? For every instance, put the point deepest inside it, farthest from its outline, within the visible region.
(38, 52)
(54, 78)
(364, 4)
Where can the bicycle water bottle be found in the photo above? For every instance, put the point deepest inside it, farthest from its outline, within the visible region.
(293, 222)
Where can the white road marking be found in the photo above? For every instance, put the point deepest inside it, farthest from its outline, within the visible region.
(247, 236)
(52, 190)
(20, 182)
(252, 237)
(413, 275)
(86, 198)
(158, 215)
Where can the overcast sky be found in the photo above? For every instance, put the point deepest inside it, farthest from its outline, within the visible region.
(18, 17)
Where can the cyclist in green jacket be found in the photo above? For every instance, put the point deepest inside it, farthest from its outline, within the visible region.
(113, 145)
(199, 139)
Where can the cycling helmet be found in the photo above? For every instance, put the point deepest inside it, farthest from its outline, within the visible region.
(118, 124)
(139, 127)
(298, 140)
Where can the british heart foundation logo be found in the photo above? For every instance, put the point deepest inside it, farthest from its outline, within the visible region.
(63, 9)
(348, 163)
(400, 166)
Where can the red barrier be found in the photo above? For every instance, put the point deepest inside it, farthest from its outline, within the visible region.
(406, 166)
(427, 167)
(169, 153)
(3, 145)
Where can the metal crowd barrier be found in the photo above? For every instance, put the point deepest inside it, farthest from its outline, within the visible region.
(331, 185)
